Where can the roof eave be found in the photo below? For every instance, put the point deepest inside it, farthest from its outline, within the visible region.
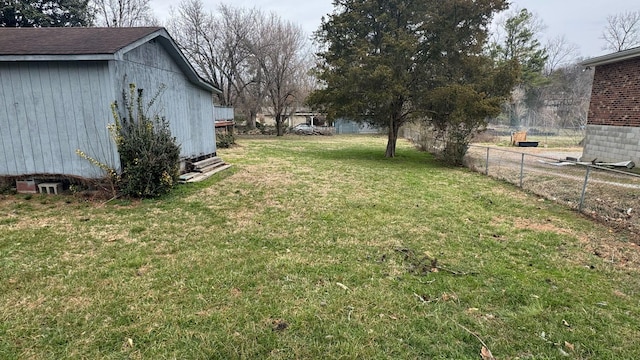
(612, 58)
(83, 57)
(160, 35)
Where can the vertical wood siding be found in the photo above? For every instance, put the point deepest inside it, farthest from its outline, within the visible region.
(188, 108)
(50, 109)
(224, 113)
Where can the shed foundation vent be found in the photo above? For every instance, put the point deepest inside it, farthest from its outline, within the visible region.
(50, 188)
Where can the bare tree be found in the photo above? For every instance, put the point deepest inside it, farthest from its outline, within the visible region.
(566, 96)
(124, 13)
(575, 83)
(223, 49)
(282, 61)
(244, 46)
(216, 44)
(194, 30)
(560, 52)
(622, 31)
(307, 81)
(250, 56)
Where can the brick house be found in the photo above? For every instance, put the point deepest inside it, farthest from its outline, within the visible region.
(613, 125)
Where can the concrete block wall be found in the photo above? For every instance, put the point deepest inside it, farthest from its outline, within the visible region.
(612, 143)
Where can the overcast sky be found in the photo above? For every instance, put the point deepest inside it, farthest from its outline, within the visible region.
(580, 21)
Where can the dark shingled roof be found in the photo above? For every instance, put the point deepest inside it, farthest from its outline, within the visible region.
(69, 40)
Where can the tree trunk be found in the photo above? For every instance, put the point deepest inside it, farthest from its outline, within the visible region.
(279, 131)
(514, 121)
(251, 121)
(393, 138)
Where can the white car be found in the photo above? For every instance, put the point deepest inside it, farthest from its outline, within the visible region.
(303, 129)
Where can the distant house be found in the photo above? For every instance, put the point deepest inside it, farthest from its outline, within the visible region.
(613, 125)
(57, 86)
(302, 116)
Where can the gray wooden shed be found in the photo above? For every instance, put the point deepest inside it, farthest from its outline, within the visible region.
(57, 86)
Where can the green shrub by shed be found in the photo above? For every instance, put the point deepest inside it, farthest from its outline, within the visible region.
(148, 152)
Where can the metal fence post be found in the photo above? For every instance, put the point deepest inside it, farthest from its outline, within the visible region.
(486, 172)
(521, 170)
(584, 188)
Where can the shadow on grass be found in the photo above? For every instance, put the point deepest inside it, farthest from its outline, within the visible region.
(404, 157)
(185, 190)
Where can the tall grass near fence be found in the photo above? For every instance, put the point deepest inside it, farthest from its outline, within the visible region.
(608, 195)
(428, 140)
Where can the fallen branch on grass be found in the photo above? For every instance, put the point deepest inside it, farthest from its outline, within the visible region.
(458, 273)
(427, 264)
(485, 353)
(422, 299)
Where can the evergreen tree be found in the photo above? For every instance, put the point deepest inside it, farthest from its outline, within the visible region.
(369, 67)
(521, 45)
(383, 59)
(466, 86)
(41, 13)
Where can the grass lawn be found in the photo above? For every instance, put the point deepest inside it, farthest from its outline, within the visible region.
(316, 247)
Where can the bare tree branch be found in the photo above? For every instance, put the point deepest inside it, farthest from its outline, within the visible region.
(622, 31)
(124, 13)
(283, 63)
(560, 52)
(251, 56)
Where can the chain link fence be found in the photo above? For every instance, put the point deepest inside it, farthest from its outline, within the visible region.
(606, 194)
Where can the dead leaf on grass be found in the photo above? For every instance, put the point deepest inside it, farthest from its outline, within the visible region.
(569, 346)
(447, 297)
(486, 354)
(619, 293)
(343, 286)
(205, 313)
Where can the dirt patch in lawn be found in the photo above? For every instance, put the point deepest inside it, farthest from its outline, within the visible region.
(606, 246)
(548, 226)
